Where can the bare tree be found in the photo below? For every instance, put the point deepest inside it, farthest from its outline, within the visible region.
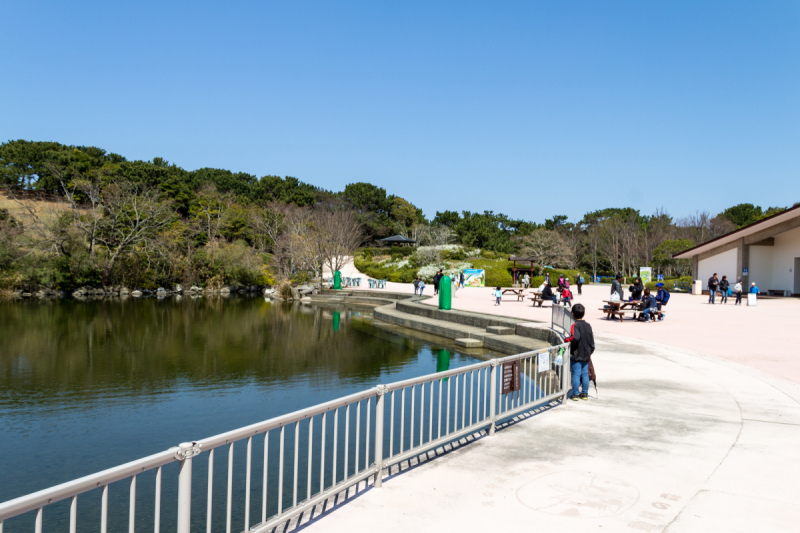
(133, 215)
(267, 222)
(547, 247)
(339, 233)
(211, 209)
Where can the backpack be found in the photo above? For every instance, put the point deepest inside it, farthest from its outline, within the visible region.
(666, 297)
(581, 279)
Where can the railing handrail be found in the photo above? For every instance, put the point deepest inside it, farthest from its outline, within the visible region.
(32, 501)
(44, 497)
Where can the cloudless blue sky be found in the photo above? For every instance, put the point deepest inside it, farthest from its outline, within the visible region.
(527, 108)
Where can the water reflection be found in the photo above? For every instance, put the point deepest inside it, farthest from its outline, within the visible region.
(112, 381)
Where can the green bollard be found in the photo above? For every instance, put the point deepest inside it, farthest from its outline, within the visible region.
(337, 281)
(445, 293)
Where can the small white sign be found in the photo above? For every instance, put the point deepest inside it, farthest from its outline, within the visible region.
(544, 362)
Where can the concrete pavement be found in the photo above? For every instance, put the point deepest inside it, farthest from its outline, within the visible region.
(695, 429)
(674, 442)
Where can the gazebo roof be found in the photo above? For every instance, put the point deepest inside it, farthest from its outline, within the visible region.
(528, 259)
(398, 239)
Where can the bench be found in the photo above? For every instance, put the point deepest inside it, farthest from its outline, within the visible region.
(537, 299)
(680, 286)
(613, 312)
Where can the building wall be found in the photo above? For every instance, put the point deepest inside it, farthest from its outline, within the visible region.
(761, 269)
(723, 264)
(787, 247)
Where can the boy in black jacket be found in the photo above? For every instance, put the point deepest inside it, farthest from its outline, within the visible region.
(581, 349)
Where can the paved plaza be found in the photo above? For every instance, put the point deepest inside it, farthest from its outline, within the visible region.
(694, 428)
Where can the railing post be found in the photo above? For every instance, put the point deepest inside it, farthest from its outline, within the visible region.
(493, 396)
(379, 436)
(566, 376)
(184, 454)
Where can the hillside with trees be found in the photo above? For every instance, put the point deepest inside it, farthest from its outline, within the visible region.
(73, 216)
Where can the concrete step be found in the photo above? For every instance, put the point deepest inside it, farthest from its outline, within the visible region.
(507, 344)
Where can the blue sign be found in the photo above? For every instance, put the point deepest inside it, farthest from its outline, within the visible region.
(661, 277)
(744, 271)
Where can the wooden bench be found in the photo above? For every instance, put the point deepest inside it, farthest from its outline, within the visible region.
(537, 299)
(613, 312)
(516, 292)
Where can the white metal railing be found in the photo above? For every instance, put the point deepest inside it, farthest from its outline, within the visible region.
(320, 459)
(562, 318)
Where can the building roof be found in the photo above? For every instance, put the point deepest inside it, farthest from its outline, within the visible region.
(398, 239)
(774, 220)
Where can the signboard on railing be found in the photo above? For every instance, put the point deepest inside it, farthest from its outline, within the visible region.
(511, 380)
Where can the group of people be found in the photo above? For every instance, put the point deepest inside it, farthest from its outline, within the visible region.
(723, 286)
(562, 290)
(457, 279)
(651, 306)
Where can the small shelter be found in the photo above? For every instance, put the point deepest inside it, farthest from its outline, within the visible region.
(515, 270)
(398, 239)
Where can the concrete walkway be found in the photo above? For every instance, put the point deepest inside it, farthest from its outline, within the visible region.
(675, 442)
(696, 429)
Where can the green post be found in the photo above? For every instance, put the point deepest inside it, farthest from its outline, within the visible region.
(337, 281)
(445, 293)
(442, 360)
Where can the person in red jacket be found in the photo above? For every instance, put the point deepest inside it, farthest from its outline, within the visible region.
(581, 348)
(566, 297)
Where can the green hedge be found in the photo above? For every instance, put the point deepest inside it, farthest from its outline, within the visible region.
(669, 284)
(377, 271)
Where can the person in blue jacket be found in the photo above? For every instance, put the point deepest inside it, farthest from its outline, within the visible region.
(754, 288)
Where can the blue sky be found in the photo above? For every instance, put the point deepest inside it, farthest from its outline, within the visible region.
(528, 108)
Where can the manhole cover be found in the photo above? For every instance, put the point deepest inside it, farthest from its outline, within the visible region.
(578, 494)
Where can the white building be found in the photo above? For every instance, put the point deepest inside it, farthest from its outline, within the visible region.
(766, 252)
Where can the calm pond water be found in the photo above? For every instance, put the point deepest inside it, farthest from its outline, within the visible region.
(85, 386)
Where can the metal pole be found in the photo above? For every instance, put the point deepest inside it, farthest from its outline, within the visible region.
(492, 395)
(566, 376)
(185, 452)
(379, 437)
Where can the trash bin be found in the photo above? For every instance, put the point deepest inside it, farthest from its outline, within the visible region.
(697, 287)
(752, 299)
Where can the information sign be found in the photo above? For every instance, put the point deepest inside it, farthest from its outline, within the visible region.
(474, 277)
(544, 362)
(511, 377)
(646, 273)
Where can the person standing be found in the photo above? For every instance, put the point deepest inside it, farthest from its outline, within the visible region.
(616, 287)
(581, 348)
(416, 286)
(498, 294)
(436, 278)
(561, 282)
(713, 283)
(547, 278)
(579, 283)
(724, 285)
(526, 280)
(421, 286)
(461, 279)
(737, 291)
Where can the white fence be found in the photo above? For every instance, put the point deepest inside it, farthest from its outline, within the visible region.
(562, 318)
(294, 462)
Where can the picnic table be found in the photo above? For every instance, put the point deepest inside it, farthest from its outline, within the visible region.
(517, 292)
(617, 308)
(536, 298)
